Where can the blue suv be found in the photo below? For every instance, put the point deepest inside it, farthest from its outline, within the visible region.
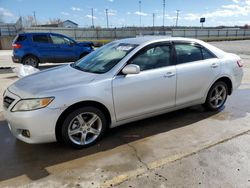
(34, 48)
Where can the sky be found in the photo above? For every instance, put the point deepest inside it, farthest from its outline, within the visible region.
(127, 12)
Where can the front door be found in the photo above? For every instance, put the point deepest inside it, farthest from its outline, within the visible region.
(153, 89)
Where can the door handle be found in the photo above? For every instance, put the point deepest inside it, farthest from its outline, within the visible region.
(169, 75)
(215, 65)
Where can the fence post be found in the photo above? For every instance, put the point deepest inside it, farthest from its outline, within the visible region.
(244, 32)
(218, 33)
(75, 33)
(196, 33)
(184, 33)
(208, 33)
(236, 33)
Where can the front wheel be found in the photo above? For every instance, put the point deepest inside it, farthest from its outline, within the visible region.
(217, 96)
(84, 127)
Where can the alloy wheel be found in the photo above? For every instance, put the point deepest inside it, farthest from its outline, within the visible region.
(218, 96)
(85, 128)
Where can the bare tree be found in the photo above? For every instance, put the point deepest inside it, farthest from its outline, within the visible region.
(28, 21)
(54, 21)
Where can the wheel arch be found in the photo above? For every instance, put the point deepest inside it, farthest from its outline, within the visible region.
(228, 82)
(30, 54)
(75, 106)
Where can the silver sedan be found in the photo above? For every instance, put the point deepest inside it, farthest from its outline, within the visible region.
(121, 82)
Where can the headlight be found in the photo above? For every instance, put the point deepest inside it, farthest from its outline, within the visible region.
(32, 104)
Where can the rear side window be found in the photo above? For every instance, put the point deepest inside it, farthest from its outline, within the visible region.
(206, 54)
(41, 38)
(188, 53)
(20, 38)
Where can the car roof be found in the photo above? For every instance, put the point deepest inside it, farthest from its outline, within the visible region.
(150, 39)
(40, 33)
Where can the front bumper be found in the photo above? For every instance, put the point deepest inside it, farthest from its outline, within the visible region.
(40, 123)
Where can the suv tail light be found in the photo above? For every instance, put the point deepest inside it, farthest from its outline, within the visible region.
(240, 64)
(16, 46)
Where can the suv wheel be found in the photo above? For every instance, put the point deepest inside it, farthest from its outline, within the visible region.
(217, 96)
(84, 127)
(31, 60)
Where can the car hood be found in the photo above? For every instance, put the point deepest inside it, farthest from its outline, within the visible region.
(54, 79)
(85, 44)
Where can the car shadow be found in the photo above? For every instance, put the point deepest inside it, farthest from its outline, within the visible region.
(18, 158)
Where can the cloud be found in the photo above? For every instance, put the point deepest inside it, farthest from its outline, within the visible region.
(90, 16)
(76, 9)
(140, 13)
(65, 13)
(236, 1)
(111, 1)
(112, 12)
(225, 11)
(6, 13)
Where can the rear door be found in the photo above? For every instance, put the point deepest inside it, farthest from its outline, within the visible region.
(196, 69)
(43, 46)
(64, 50)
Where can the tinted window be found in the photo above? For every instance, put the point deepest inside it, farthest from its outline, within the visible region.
(155, 57)
(59, 39)
(206, 54)
(41, 38)
(187, 53)
(20, 38)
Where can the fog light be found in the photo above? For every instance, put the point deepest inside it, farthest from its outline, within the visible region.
(26, 133)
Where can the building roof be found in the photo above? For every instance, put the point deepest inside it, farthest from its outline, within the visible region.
(70, 22)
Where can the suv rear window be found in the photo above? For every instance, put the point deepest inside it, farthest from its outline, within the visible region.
(20, 38)
(41, 38)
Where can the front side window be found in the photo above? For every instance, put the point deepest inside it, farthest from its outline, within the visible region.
(41, 38)
(188, 53)
(152, 58)
(105, 58)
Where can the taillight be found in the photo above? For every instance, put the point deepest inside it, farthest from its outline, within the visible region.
(16, 46)
(240, 64)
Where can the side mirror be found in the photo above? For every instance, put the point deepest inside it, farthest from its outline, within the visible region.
(131, 69)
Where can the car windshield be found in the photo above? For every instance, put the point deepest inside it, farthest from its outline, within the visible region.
(105, 58)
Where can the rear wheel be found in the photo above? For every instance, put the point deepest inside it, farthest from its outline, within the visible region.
(31, 60)
(84, 127)
(217, 96)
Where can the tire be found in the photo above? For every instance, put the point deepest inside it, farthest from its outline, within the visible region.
(83, 127)
(31, 60)
(217, 96)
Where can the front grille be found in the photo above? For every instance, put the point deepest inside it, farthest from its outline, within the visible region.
(7, 101)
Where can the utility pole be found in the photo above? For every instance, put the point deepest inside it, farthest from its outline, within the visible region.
(163, 15)
(107, 17)
(153, 19)
(177, 17)
(140, 11)
(34, 13)
(92, 14)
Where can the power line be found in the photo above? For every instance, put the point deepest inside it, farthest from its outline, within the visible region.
(163, 14)
(140, 11)
(153, 19)
(92, 16)
(34, 13)
(177, 17)
(107, 17)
